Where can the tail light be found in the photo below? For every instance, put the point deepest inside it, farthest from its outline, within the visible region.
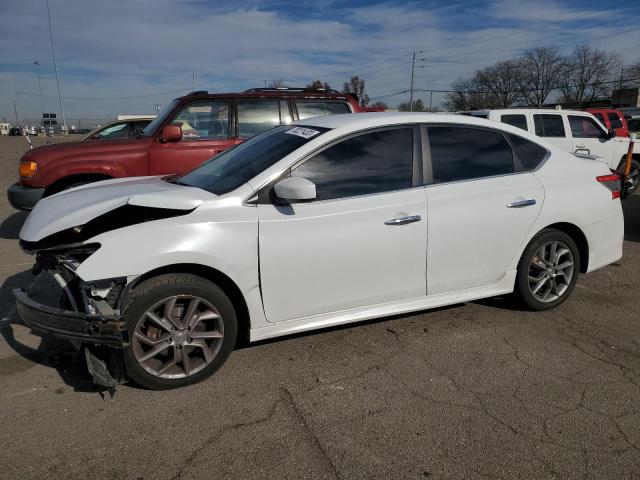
(612, 182)
(28, 168)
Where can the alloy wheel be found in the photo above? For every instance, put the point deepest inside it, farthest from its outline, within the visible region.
(551, 271)
(178, 336)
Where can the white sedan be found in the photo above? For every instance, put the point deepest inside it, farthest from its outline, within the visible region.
(333, 220)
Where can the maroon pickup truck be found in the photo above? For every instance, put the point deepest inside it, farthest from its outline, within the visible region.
(190, 130)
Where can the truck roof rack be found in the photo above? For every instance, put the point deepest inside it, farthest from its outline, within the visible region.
(293, 90)
(197, 92)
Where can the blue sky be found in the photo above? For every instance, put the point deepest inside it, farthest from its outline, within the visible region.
(125, 57)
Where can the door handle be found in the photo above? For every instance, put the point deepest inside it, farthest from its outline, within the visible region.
(582, 149)
(403, 220)
(522, 203)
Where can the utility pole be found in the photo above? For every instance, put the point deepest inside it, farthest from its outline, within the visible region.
(37, 64)
(194, 81)
(621, 74)
(430, 101)
(413, 68)
(55, 66)
(15, 110)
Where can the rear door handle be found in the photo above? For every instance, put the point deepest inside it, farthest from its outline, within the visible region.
(522, 203)
(403, 220)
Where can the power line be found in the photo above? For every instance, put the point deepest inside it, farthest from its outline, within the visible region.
(520, 32)
(109, 98)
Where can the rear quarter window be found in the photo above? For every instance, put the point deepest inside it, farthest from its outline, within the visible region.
(530, 154)
(320, 108)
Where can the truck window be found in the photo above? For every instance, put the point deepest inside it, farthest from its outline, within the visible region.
(255, 116)
(584, 127)
(315, 108)
(204, 120)
(519, 121)
(615, 120)
(548, 125)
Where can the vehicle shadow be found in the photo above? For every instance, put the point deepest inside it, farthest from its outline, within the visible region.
(631, 208)
(10, 227)
(50, 352)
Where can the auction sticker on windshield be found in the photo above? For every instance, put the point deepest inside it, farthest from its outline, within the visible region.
(302, 132)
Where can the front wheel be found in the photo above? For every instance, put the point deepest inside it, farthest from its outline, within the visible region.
(548, 270)
(182, 328)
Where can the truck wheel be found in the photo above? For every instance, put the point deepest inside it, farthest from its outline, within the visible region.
(181, 327)
(634, 175)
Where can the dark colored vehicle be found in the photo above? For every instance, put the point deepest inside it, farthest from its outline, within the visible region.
(612, 119)
(633, 125)
(15, 132)
(119, 129)
(190, 130)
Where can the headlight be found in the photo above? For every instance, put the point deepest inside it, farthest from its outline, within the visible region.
(69, 258)
(28, 168)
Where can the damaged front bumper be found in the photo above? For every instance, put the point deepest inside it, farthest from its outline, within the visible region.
(96, 329)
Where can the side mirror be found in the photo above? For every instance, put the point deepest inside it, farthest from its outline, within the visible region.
(171, 133)
(295, 189)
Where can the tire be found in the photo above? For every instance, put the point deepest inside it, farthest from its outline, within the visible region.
(214, 330)
(537, 274)
(634, 175)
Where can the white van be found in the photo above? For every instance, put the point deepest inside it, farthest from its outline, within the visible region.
(4, 128)
(574, 131)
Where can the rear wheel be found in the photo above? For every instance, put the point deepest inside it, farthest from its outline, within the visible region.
(182, 328)
(548, 270)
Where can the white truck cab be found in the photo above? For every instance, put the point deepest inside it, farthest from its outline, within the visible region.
(572, 130)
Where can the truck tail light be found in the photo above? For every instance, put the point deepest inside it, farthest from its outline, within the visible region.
(28, 169)
(612, 182)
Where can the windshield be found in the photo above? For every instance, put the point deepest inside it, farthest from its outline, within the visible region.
(159, 120)
(232, 168)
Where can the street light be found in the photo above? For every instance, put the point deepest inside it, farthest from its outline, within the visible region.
(37, 64)
(55, 66)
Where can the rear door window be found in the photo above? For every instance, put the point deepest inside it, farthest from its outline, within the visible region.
(518, 120)
(615, 120)
(320, 108)
(465, 153)
(257, 115)
(584, 127)
(548, 125)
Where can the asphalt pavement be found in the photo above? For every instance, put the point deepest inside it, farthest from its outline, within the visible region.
(477, 390)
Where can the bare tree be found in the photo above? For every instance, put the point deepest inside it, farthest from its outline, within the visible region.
(501, 81)
(587, 74)
(355, 86)
(279, 83)
(631, 76)
(540, 72)
(468, 95)
(319, 84)
(418, 106)
(380, 104)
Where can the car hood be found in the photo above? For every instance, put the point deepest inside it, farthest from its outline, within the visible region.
(77, 206)
(52, 152)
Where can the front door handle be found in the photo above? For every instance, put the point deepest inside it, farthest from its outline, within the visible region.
(522, 203)
(404, 220)
(581, 149)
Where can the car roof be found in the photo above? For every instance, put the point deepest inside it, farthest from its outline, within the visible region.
(374, 119)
